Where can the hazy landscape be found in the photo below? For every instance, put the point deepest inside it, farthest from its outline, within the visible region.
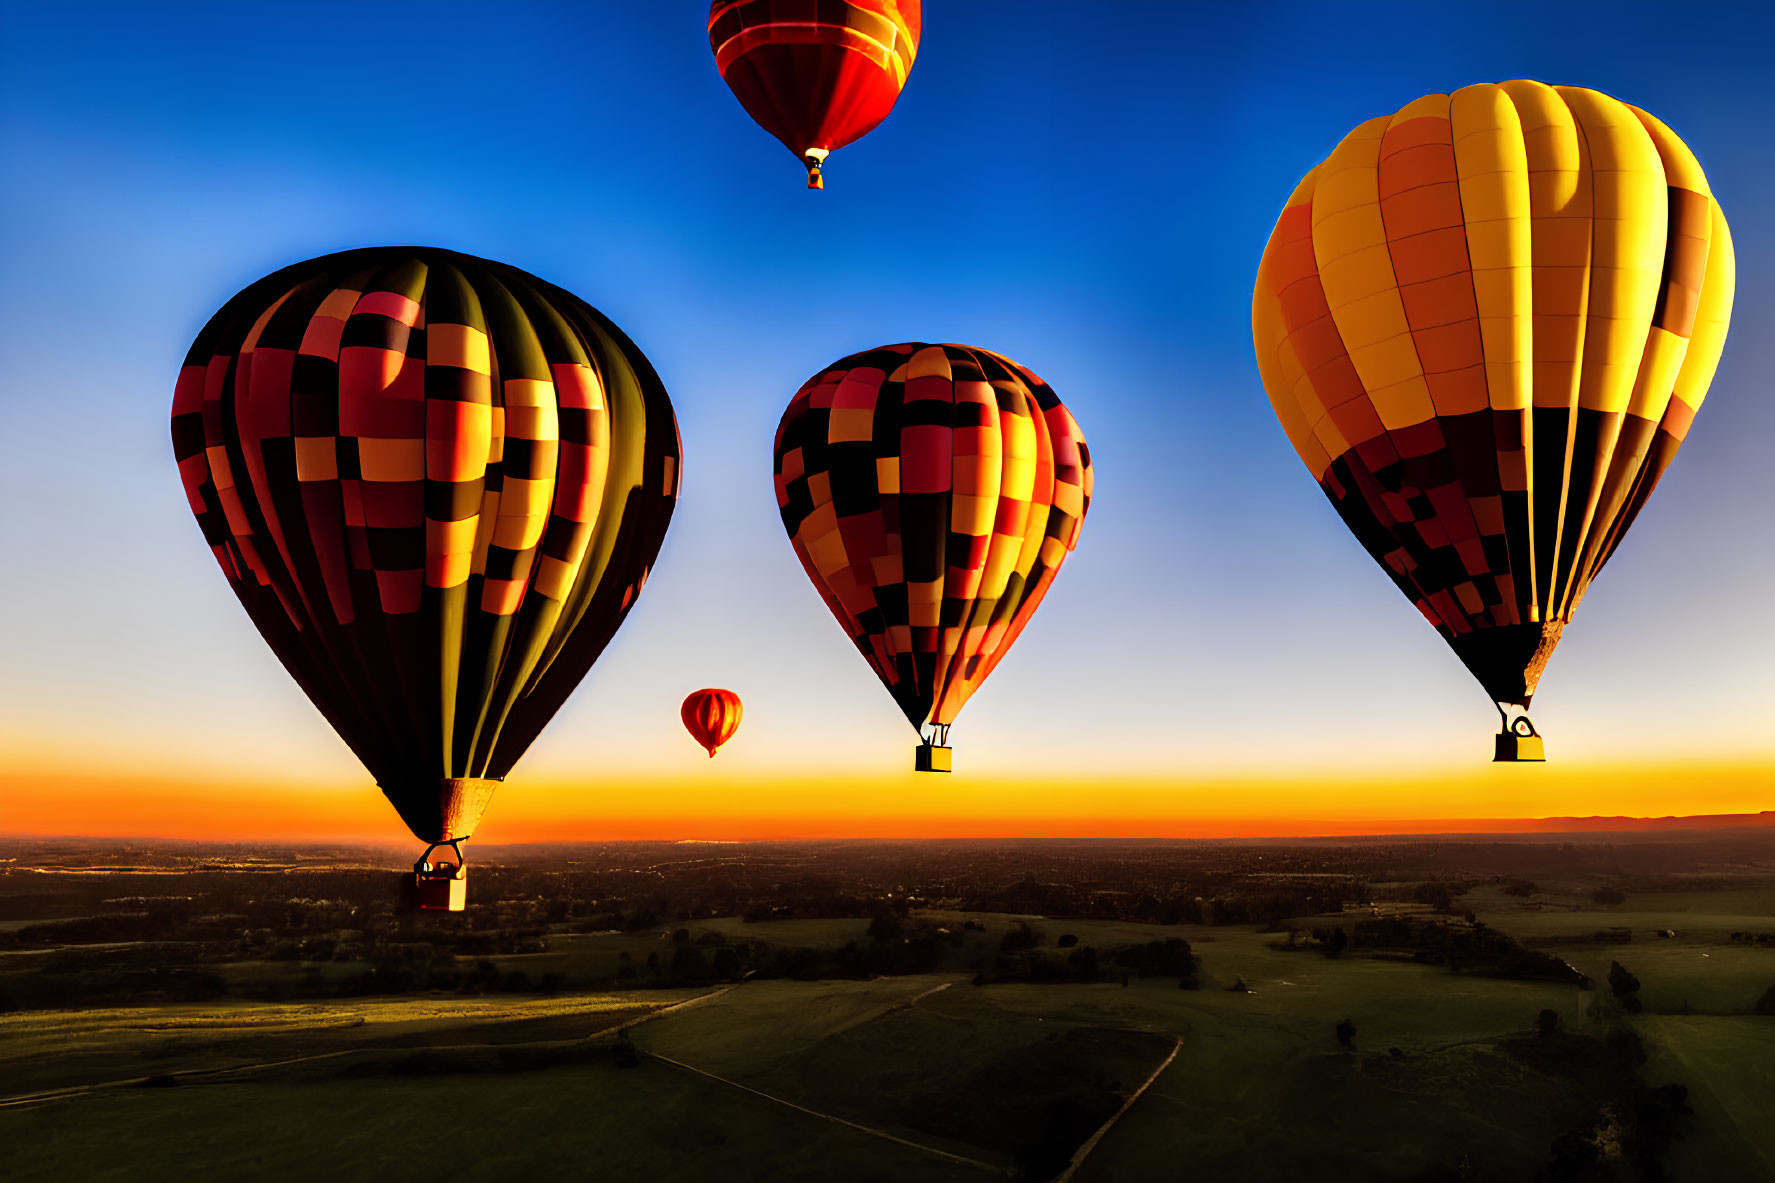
(1597, 1005)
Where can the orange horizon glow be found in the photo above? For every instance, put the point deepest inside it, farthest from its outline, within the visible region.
(1508, 799)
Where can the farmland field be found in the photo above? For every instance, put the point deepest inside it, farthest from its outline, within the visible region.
(789, 1048)
(1258, 1079)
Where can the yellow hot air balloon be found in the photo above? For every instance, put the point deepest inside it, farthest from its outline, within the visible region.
(1486, 323)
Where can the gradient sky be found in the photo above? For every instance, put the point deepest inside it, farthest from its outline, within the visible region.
(1086, 188)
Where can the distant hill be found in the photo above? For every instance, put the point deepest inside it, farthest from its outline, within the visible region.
(1699, 821)
(1537, 827)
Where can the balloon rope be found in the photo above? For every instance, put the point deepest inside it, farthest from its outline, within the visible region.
(455, 844)
(1521, 726)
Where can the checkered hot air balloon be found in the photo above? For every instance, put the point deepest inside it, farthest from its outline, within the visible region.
(711, 716)
(816, 74)
(1486, 322)
(436, 484)
(931, 492)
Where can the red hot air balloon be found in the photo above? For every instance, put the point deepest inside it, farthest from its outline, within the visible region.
(931, 492)
(436, 484)
(816, 75)
(711, 717)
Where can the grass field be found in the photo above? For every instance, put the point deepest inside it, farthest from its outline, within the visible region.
(1699, 968)
(922, 1077)
(584, 1121)
(1728, 1065)
(41, 1050)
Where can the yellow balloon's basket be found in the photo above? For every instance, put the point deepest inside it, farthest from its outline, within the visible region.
(1519, 743)
(932, 757)
(1519, 749)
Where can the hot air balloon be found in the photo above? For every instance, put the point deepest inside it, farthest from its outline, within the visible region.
(436, 485)
(931, 492)
(1486, 323)
(815, 75)
(711, 717)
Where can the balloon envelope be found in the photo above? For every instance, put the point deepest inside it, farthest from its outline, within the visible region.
(711, 716)
(931, 492)
(815, 76)
(436, 484)
(1486, 323)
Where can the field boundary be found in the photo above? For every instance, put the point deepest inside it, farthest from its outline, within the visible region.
(1078, 1159)
(871, 1130)
(660, 1013)
(187, 1076)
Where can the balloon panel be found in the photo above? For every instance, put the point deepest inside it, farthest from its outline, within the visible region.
(931, 492)
(1486, 323)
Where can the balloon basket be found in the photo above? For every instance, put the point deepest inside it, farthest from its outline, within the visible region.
(1519, 749)
(439, 889)
(932, 758)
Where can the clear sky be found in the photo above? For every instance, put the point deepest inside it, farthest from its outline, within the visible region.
(1085, 187)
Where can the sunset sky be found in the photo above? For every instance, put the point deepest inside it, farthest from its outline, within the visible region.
(1086, 188)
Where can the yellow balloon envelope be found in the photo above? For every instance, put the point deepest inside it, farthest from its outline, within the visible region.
(1486, 322)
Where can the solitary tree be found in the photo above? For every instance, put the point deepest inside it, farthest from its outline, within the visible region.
(689, 964)
(1547, 1023)
(626, 1055)
(1625, 986)
(886, 927)
(1346, 1033)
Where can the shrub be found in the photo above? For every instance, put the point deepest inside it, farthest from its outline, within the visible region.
(1621, 982)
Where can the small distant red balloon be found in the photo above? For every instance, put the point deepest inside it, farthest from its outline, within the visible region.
(711, 717)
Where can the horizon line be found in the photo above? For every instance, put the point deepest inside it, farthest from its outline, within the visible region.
(1552, 826)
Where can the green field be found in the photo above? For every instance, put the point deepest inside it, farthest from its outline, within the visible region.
(44, 1050)
(1729, 1067)
(583, 1121)
(1697, 970)
(915, 1077)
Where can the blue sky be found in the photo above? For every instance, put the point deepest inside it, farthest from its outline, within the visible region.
(1086, 188)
